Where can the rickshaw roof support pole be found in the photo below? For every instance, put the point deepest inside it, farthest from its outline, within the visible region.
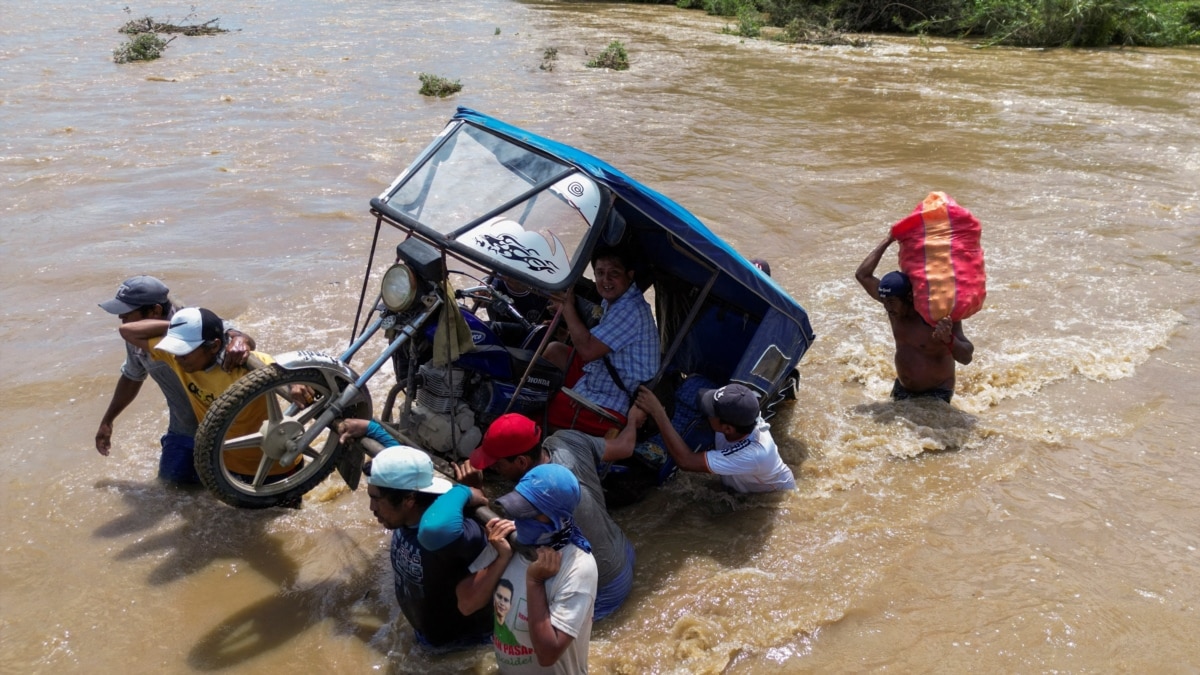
(537, 354)
(687, 324)
(366, 277)
(449, 306)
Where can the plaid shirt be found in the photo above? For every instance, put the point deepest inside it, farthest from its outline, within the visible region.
(628, 328)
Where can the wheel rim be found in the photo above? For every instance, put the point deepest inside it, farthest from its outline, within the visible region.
(285, 423)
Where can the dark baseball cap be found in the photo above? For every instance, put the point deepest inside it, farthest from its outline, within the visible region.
(733, 404)
(894, 285)
(136, 292)
(762, 265)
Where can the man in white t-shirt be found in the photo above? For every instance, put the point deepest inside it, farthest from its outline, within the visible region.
(744, 456)
(548, 625)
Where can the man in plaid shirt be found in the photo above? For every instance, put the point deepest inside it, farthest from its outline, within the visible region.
(626, 337)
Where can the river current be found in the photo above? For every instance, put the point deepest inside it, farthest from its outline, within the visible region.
(1046, 522)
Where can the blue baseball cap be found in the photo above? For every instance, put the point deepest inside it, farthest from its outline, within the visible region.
(894, 285)
(548, 489)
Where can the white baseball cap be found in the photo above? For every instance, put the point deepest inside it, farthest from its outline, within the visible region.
(190, 328)
(403, 468)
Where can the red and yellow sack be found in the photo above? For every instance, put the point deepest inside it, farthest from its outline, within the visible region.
(941, 254)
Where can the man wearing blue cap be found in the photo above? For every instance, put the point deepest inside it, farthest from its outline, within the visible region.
(925, 355)
(549, 626)
(145, 297)
(744, 454)
(401, 485)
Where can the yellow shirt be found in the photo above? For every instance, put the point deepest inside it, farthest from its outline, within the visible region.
(204, 386)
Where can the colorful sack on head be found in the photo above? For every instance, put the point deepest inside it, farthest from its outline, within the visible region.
(941, 254)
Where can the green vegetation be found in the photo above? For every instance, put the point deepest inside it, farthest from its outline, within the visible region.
(140, 47)
(549, 58)
(1026, 23)
(1083, 23)
(614, 57)
(434, 85)
(750, 22)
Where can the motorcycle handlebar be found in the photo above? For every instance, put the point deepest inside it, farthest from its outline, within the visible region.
(497, 298)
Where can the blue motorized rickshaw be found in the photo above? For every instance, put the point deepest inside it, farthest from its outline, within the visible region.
(486, 201)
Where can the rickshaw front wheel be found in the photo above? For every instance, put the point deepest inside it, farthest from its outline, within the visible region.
(258, 419)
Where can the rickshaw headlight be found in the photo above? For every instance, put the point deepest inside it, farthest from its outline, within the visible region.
(399, 288)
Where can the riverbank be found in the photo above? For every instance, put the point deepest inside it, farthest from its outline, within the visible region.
(1022, 23)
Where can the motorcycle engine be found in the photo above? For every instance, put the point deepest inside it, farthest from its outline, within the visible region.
(444, 423)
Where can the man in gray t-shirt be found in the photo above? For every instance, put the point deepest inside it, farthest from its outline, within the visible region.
(145, 297)
(511, 447)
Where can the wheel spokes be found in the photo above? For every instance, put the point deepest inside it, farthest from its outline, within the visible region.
(254, 440)
(274, 412)
(264, 466)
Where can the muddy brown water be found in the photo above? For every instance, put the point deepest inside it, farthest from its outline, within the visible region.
(1046, 522)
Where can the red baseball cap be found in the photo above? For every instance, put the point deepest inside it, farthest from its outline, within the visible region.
(510, 435)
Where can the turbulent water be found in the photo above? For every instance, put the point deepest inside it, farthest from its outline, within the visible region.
(1045, 522)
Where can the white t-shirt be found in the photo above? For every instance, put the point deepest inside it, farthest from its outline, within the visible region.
(751, 464)
(571, 594)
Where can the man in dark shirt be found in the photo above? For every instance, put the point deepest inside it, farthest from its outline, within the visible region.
(401, 485)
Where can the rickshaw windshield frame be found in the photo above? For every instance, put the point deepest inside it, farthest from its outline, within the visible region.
(503, 205)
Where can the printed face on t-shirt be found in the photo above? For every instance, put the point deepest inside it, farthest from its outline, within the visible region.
(502, 601)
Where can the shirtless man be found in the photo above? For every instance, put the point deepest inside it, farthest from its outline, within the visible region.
(925, 355)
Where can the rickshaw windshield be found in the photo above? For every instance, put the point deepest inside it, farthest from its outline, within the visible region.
(535, 210)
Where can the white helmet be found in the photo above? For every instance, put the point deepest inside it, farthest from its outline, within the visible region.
(581, 192)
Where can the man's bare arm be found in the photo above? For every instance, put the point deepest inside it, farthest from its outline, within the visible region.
(676, 446)
(622, 446)
(139, 333)
(549, 643)
(474, 592)
(587, 346)
(960, 347)
(865, 274)
(123, 395)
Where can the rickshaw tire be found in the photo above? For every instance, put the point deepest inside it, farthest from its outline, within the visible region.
(215, 424)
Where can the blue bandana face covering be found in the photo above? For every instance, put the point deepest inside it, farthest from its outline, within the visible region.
(533, 532)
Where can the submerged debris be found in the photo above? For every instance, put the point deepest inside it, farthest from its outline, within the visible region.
(150, 25)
